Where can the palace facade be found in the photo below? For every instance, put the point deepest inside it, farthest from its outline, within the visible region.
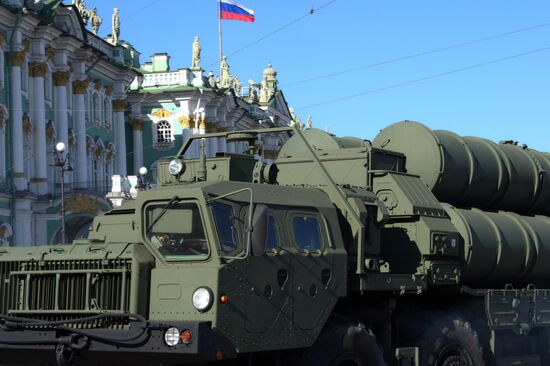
(60, 82)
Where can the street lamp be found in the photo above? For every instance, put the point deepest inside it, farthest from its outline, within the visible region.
(64, 165)
(142, 182)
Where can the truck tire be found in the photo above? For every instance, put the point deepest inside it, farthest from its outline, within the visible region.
(451, 342)
(343, 342)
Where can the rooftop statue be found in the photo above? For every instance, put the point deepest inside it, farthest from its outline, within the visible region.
(265, 91)
(81, 7)
(225, 77)
(237, 85)
(252, 93)
(116, 27)
(195, 64)
(309, 123)
(211, 80)
(95, 20)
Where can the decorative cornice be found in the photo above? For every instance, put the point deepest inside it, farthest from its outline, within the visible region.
(137, 124)
(17, 58)
(79, 86)
(119, 105)
(186, 122)
(60, 78)
(37, 69)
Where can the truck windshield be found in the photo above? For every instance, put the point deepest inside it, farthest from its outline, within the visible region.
(176, 232)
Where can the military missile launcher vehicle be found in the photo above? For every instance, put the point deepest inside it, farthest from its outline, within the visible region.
(420, 248)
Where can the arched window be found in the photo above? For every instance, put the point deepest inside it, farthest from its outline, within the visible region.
(96, 113)
(48, 86)
(164, 132)
(107, 108)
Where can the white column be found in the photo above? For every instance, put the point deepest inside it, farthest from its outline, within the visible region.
(80, 165)
(39, 178)
(222, 143)
(18, 167)
(22, 223)
(60, 108)
(212, 142)
(119, 106)
(137, 134)
(186, 131)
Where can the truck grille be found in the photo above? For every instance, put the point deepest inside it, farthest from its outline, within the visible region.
(65, 289)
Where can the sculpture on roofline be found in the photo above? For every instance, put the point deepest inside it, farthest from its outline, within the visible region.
(265, 91)
(237, 85)
(195, 64)
(81, 7)
(116, 27)
(225, 76)
(211, 80)
(95, 20)
(252, 93)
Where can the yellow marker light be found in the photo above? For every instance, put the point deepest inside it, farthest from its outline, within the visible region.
(224, 299)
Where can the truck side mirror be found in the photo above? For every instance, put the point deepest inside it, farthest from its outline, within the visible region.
(258, 236)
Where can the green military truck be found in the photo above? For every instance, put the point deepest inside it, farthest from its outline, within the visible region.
(418, 248)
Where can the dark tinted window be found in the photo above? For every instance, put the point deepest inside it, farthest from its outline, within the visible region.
(307, 233)
(177, 232)
(272, 235)
(226, 226)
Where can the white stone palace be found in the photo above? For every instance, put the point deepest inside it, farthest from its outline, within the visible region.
(60, 82)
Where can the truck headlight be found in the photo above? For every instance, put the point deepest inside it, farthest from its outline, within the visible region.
(175, 167)
(203, 299)
(172, 336)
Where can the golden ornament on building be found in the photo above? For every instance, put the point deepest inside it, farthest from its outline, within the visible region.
(37, 69)
(202, 123)
(17, 58)
(162, 113)
(50, 131)
(97, 85)
(26, 45)
(72, 138)
(137, 124)
(1, 39)
(50, 53)
(27, 125)
(98, 152)
(60, 78)
(119, 105)
(79, 203)
(186, 121)
(109, 90)
(79, 86)
(109, 156)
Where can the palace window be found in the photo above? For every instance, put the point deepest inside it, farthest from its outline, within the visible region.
(164, 132)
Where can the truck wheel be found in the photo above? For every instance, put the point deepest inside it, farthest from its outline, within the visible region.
(451, 343)
(343, 342)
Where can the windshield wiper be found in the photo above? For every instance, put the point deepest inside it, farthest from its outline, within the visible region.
(169, 205)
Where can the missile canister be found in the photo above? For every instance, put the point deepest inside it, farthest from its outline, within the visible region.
(472, 171)
(503, 247)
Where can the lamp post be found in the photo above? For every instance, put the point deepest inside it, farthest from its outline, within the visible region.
(142, 182)
(64, 165)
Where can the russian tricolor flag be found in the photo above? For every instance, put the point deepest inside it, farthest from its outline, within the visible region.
(232, 11)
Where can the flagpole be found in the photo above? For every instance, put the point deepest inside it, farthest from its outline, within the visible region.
(220, 33)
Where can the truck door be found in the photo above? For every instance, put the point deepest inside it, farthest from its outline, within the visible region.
(313, 294)
(269, 285)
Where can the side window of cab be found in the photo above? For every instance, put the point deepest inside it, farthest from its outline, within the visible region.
(306, 232)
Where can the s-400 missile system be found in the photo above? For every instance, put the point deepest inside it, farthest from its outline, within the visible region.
(420, 248)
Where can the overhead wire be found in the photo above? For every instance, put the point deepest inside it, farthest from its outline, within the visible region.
(419, 54)
(429, 77)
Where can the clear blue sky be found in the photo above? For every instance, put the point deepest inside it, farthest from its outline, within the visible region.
(503, 100)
